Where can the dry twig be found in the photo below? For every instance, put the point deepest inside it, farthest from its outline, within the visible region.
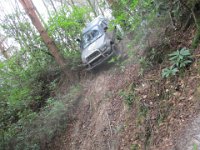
(109, 124)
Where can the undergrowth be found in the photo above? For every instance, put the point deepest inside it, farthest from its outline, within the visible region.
(36, 130)
(179, 60)
(129, 95)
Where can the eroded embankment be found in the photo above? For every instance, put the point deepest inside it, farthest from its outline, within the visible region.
(160, 115)
(101, 115)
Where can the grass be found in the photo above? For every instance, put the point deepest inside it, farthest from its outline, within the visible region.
(141, 113)
(135, 147)
(129, 95)
(195, 147)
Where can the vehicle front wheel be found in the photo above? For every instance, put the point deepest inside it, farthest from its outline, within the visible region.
(115, 49)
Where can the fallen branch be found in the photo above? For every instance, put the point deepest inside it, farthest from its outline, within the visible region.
(109, 124)
(187, 23)
(109, 147)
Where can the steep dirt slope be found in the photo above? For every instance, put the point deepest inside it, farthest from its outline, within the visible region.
(190, 137)
(104, 122)
(100, 116)
(163, 114)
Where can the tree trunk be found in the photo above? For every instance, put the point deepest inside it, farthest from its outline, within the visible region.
(93, 8)
(45, 5)
(3, 51)
(29, 8)
(39, 15)
(73, 4)
(99, 7)
(53, 6)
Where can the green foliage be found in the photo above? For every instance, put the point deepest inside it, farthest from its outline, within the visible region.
(179, 60)
(143, 62)
(128, 98)
(73, 59)
(24, 90)
(32, 130)
(20, 89)
(130, 14)
(129, 95)
(33, 50)
(167, 72)
(195, 147)
(28, 116)
(142, 110)
(115, 59)
(65, 25)
(72, 22)
(135, 147)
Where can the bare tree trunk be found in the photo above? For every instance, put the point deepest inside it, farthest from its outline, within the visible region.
(192, 12)
(29, 8)
(110, 2)
(45, 5)
(41, 18)
(61, 36)
(53, 5)
(3, 51)
(93, 9)
(73, 4)
(98, 6)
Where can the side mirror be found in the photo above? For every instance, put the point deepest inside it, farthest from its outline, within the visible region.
(78, 40)
(105, 29)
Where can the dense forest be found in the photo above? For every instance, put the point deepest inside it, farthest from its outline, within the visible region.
(141, 98)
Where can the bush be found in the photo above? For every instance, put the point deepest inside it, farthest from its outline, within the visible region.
(35, 130)
(179, 60)
(129, 95)
(167, 72)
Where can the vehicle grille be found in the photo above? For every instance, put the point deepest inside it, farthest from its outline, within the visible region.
(96, 61)
(93, 55)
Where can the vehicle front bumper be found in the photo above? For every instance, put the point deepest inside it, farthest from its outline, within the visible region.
(100, 58)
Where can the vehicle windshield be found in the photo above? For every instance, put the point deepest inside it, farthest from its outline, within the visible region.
(91, 36)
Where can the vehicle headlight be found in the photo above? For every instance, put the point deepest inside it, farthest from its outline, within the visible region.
(103, 48)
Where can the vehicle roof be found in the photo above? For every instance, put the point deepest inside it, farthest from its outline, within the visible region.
(93, 23)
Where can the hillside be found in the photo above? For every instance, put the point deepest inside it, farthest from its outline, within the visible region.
(100, 75)
(122, 109)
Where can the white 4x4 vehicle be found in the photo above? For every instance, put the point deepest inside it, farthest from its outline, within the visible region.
(96, 43)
